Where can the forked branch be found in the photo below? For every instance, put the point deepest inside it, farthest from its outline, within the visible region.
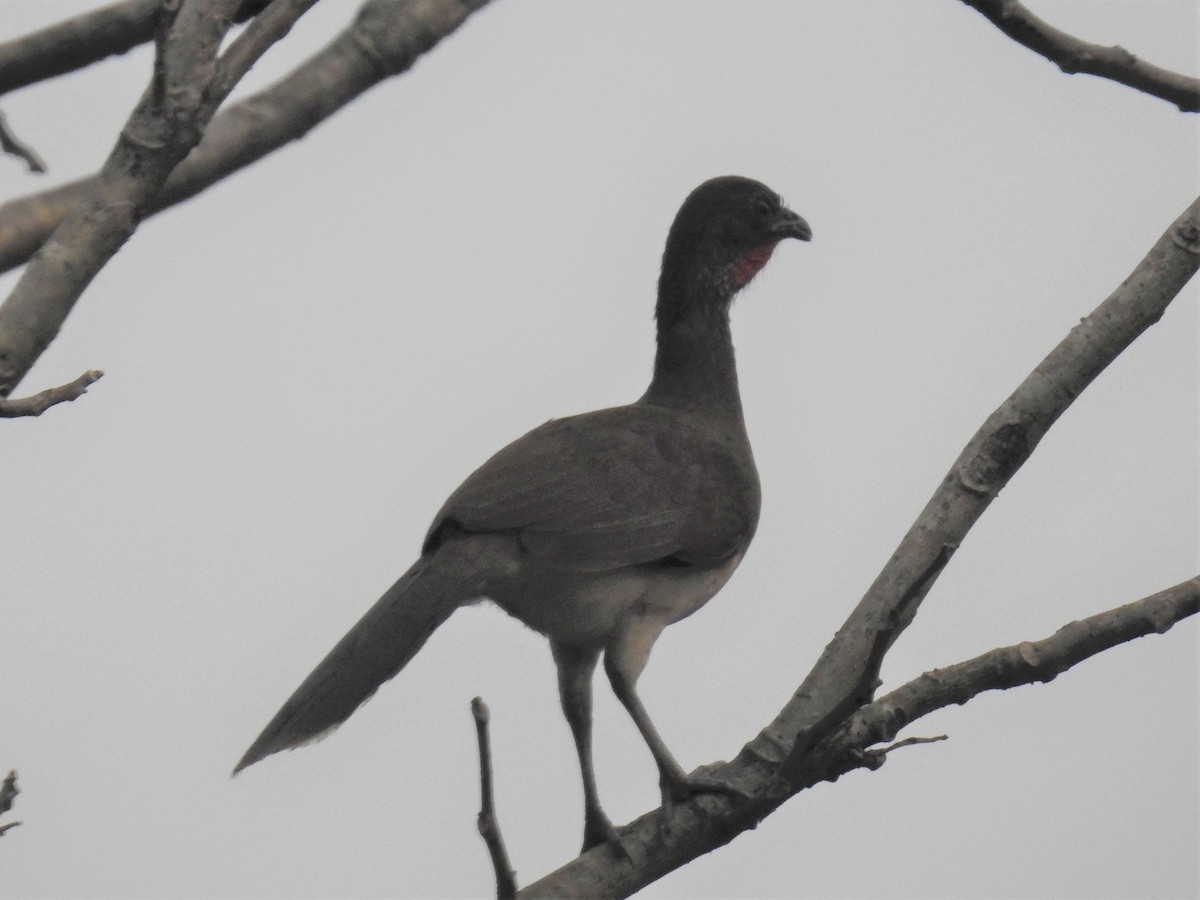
(710, 822)
(387, 38)
(190, 79)
(1029, 662)
(838, 723)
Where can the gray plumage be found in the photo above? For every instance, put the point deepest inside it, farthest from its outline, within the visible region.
(597, 530)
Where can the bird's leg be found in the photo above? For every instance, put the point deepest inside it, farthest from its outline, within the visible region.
(623, 664)
(575, 668)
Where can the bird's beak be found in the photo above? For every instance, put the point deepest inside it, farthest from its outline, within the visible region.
(790, 225)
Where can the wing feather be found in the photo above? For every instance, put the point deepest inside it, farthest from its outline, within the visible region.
(618, 487)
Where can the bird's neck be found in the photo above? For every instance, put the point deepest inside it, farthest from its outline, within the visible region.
(694, 367)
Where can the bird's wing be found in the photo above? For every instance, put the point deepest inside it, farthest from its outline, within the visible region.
(622, 486)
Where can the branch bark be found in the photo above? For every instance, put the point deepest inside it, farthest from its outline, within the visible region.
(83, 40)
(1073, 55)
(190, 80)
(796, 747)
(849, 665)
(1006, 667)
(488, 823)
(710, 822)
(386, 38)
(39, 403)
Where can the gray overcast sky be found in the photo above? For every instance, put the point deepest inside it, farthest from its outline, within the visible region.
(304, 361)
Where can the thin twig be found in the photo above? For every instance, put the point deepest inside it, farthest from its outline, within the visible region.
(37, 404)
(12, 145)
(874, 757)
(488, 823)
(1073, 55)
(8, 791)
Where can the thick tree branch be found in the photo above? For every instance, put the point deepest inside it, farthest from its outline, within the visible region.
(1029, 662)
(271, 25)
(710, 822)
(188, 84)
(78, 42)
(1072, 55)
(37, 404)
(990, 459)
(847, 671)
(386, 38)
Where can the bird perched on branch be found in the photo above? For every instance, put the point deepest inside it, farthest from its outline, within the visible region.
(597, 530)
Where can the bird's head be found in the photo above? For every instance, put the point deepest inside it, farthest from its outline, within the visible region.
(724, 233)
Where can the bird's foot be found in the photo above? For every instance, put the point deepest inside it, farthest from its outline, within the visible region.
(598, 830)
(679, 788)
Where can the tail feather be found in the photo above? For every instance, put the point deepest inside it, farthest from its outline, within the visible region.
(374, 650)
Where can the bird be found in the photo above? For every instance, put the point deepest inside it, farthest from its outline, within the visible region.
(596, 530)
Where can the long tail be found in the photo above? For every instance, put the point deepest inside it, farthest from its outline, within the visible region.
(374, 650)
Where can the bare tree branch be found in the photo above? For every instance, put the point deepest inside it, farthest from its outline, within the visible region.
(8, 793)
(167, 122)
(847, 672)
(386, 38)
(10, 144)
(488, 822)
(1073, 55)
(711, 821)
(80, 41)
(75, 43)
(1007, 667)
(271, 25)
(39, 403)
(1006, 440)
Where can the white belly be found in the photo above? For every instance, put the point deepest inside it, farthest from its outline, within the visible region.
(593, 609)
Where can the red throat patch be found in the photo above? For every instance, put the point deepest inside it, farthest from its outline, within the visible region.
(746, 266)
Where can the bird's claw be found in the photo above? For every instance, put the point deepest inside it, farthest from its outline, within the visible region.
(684, 788)
(603, 832)
(681, 789)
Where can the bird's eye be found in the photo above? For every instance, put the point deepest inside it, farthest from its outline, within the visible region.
(762, 206)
